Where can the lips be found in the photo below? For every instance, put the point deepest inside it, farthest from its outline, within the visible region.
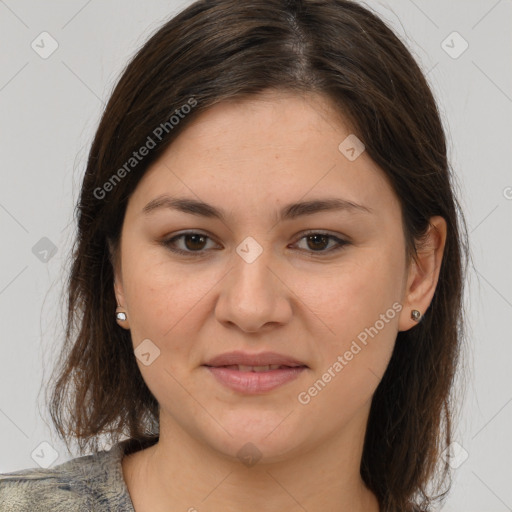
(254, 382)
(254, 373)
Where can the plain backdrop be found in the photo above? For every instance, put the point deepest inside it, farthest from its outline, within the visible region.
(50, 106)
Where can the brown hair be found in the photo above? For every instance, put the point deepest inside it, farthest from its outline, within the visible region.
(222, 49)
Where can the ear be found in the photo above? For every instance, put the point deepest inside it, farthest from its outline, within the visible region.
(115, 260)
(423, 273)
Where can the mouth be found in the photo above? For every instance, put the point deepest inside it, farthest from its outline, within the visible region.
(255, 373)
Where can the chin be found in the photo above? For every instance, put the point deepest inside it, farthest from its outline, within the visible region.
(257, 436)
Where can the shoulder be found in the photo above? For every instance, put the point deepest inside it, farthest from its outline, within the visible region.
(41, 489)
(92, 482)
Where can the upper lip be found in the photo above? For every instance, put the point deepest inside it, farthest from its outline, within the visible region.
(246, 359)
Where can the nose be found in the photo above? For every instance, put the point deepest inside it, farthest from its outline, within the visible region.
(254, 295)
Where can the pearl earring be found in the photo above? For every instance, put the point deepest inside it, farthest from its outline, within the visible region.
(120, 315)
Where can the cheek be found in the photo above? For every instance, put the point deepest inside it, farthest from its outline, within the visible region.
(161, 303)
(359, 307)
(354, 294)
(167, 302)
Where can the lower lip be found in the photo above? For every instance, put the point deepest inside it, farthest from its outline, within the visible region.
(252, 383)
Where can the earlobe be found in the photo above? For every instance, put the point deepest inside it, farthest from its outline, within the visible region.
(424, 274)
(121, 313)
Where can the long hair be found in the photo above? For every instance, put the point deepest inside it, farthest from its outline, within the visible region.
(218, 50)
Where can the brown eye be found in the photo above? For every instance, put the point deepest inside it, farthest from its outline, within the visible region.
(318, 242)
(194, 242)
(191, 243)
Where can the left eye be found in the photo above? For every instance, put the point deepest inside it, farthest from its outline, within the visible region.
(319, 239)
(194, 242)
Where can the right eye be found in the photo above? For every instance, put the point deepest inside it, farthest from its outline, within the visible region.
(192, 242)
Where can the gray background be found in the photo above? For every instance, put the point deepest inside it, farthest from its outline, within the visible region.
(50, 109)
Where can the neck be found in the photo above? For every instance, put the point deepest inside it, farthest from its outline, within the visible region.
(180, 473)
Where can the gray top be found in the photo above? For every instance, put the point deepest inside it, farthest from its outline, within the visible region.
(93, 483)
(83, 484)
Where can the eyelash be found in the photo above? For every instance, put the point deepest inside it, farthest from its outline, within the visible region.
(340, 243)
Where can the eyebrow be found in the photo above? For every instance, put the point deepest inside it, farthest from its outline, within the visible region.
(288, 212)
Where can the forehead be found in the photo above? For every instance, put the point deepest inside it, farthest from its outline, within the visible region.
(271, 120)
(270, 148)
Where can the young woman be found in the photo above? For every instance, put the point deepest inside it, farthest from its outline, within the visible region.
(265, 299)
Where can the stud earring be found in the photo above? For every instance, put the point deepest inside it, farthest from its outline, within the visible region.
(120, 314)
(415, 315)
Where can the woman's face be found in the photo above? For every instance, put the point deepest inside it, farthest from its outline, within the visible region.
(252, 281)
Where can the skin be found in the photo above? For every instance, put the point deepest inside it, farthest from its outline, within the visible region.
(251, 158)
